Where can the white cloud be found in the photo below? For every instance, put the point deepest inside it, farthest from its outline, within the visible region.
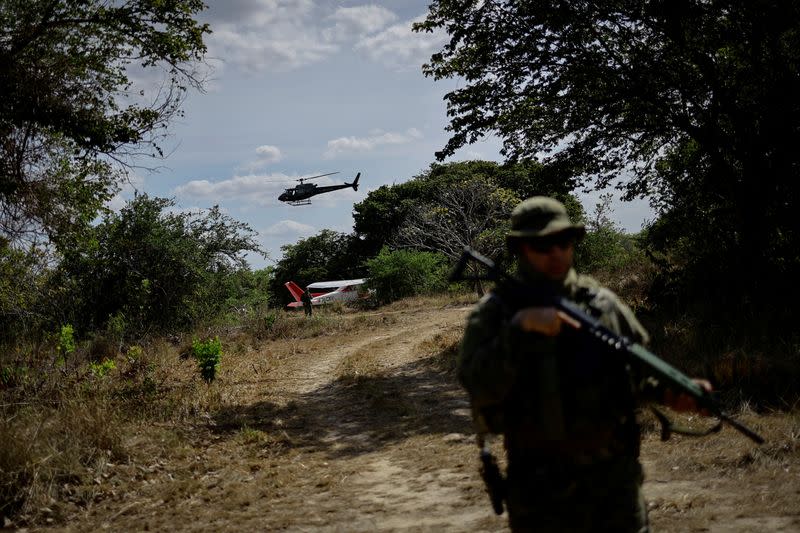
(399, 47)
(262, 35)
(352, 23)
(265, 155)
(255, 50)
(251, 188)
(256, 12)
(364, 144)
(269, 153)
(289, 228)
(258, 35)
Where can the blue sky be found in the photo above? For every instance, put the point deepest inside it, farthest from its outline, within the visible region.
(304, 87)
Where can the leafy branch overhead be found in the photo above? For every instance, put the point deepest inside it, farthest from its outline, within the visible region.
(692, 104)
(70, 112)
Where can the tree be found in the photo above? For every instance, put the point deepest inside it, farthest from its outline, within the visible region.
(473, 213)
(695, 101)
(605, 248)
(70, 114)
(379, 217)
(154, 268)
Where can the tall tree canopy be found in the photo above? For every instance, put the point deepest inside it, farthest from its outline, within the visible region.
(379, 217)
(69, 109)
(693, 102)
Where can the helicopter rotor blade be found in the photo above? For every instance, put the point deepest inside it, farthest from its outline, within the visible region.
(301, 180)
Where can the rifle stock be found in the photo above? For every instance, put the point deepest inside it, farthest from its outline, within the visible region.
(671, 376)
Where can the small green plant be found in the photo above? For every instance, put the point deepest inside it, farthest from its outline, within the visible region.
(248, 435)
(134, 354)
(269, 320)
(102, 369)
(116, 326)
(66, 343)
(208, 354)
(11, 376)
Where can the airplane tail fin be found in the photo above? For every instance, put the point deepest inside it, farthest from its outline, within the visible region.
(355, 182)
(295, 289)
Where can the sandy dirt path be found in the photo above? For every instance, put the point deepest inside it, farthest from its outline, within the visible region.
(367, 432)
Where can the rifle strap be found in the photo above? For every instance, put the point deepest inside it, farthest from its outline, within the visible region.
(668, 427)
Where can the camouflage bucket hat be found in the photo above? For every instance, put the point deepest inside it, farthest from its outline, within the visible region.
(541, 216)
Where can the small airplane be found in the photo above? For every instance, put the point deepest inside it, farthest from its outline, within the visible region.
(300, 195)
(325, 292)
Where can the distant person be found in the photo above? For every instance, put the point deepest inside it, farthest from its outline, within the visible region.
(565, 406)
(306, 298)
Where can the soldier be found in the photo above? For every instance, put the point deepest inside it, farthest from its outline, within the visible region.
(306, 299)
(565, 408)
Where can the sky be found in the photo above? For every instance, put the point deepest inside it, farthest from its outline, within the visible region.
(299, 88)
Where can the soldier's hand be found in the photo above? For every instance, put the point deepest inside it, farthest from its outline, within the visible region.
(684, 402)
(544, 320)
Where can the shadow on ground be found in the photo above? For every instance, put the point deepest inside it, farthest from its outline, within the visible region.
(351, 416)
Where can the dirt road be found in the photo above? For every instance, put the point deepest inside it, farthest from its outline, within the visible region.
(368, 431)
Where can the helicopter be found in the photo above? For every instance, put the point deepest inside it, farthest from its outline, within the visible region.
(300, 195)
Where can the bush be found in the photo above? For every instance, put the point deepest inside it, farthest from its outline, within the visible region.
(401, 273)
(149, 269)
(208, 354)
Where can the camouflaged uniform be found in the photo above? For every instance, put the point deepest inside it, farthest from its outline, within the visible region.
(565, 408)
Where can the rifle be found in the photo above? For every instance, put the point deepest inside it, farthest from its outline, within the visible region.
(673, 378)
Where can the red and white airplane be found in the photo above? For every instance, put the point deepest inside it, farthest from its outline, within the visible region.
(325, 292)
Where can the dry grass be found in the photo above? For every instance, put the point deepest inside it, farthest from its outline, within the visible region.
(442, 349)
(76, 440)
(62, 425)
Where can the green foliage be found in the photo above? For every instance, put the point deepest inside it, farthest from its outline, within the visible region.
(247, 290)
(21, 293)
(606, 247)
(208, 354)
(12, 375)
(146, 267)
(693, 104)
(102, 369)
(69, 109)
(66, 341)
(401, 273)
(379, 217)
(135, 354)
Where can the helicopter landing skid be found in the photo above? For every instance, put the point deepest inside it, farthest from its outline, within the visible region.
(300, 202)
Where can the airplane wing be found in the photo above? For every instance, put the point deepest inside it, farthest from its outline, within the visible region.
(336, 284)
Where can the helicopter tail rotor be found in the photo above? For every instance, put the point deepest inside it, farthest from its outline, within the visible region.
(355, 182)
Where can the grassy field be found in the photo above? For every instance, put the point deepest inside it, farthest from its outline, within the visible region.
(302, 408)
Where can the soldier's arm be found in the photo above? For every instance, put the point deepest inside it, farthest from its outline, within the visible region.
(485, 368)
(494, 351)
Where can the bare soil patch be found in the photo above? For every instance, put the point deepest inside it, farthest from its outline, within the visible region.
(368, 431)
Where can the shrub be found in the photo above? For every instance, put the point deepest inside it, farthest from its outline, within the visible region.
(149, 269)
(401, 273)
(66, 342)
(102, 369)
(208, 354)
